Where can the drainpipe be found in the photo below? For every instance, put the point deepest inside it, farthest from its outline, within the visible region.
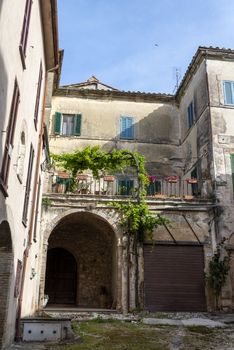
(34, 193)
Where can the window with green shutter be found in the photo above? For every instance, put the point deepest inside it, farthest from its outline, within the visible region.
(67, 124)
(57, 123)
(77, 124)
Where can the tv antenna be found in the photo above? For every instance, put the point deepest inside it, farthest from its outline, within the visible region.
(177, 76)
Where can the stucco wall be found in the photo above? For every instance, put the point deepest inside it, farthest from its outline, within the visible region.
(11, 21)
(156, 129)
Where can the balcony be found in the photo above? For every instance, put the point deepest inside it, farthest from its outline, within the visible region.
(160, 187)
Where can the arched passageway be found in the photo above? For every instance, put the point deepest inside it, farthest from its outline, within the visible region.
(61, 277)
(81, 262)
(6, 263)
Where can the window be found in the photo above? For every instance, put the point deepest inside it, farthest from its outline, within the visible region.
(24, 33)
(21, 156)
(18, 279)
(125, 187)
(126, 128)
(67, 124)
(194, 175)
(232, 168)
(228, 87)
(190, 115)
(38, 96)
(37, 210)
(9, 139)
(28, 187)
(154, 188)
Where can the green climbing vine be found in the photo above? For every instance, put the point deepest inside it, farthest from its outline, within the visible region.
(218, 271)
(136, 216)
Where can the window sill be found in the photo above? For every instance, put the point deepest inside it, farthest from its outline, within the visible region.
(22, 56)
(61, 135)
(127, 139)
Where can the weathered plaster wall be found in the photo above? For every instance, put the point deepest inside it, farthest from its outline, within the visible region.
(156, 129)
(11, 21)
(223, 141)
(196, 140)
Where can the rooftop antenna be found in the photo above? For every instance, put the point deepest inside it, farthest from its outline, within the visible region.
(177, 75)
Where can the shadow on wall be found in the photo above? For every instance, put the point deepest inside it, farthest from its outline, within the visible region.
(6, 270)
(3, 100)
(1, 3)
(156, 136)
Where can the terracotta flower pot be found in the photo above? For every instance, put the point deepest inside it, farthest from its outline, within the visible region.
(82, 177)
(109, 178)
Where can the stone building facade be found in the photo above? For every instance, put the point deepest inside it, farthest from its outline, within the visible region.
(188, 158)
(28, 49)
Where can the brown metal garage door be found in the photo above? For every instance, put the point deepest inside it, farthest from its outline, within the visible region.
(174, 278)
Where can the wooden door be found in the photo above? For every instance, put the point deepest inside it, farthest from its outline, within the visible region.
(61, 277)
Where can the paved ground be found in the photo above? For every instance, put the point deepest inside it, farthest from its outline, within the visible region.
(160, 331)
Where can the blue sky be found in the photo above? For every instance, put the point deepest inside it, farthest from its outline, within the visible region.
(115, 39)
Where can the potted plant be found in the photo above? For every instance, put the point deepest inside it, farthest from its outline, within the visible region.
(172, 179)
(192, 181)
(109, 178)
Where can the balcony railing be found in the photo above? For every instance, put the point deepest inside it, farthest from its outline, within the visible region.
(164, 187)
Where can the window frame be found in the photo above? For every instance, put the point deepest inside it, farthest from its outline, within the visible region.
(28, 186)
(132, 128)
(37, 209)
(77, 124)
(129, 184)
(25, 31)
(9, 143)
(38, 95)
(190, 114)
(225, 95)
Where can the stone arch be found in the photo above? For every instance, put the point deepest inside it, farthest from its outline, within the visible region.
(112, 220)
(6, 268)
(109, 229)
(231, 240)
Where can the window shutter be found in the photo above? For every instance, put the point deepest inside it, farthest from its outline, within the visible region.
(122, 127)
(9, 139)
(77, 124)
(37, 210)
(38, 95)
(28, 187)
(18, 278)
(195, 108)
(232, 167)
(57, 123)
(126, 128)
(190, 115)
(228, 92)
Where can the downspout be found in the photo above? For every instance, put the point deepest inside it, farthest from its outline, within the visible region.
(34, 193)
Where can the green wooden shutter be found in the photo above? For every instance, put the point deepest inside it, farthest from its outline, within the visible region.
(232, 167)
(57, 123)
(77, 124)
